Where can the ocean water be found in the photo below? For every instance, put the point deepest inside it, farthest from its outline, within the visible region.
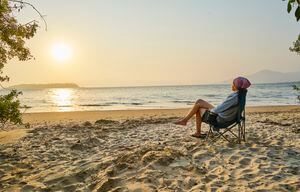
(162, 97)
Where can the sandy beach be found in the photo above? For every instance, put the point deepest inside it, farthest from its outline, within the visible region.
(142, 150)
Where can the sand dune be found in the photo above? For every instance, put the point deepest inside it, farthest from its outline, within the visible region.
(152, 154)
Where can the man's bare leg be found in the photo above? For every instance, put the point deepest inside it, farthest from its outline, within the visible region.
(197, 106)
(198, 122)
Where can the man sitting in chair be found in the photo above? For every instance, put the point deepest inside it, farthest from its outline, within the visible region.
(226, 112)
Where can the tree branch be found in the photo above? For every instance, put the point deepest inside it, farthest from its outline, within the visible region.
(32, 6)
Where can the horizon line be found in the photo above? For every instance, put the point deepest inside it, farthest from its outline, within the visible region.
(132, 86)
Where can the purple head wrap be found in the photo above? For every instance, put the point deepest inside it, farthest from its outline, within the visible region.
(241, 83)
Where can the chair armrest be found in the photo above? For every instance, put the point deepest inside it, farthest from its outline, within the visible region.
(212, 113)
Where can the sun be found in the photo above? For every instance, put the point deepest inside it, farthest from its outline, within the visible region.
(61, 52)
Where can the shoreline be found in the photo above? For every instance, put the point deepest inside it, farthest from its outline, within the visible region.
(256, 107)
(79, 116)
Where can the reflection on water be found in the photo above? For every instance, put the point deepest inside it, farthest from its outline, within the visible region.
(62, 98)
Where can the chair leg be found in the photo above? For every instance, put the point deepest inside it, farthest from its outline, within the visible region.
(239, 133)
(221, 134)
(209, 134)
(240, 136)
(236, 136)
(233, 133)
(244, 131)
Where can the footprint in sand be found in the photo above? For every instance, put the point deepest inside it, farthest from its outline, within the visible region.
(249, 176)
(202, 156)
(253, 149)
(139, 187)
(28, 188)
(245, 161)
(232, 159)
(189, 182)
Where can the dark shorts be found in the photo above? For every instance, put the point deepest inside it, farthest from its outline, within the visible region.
(209, 117)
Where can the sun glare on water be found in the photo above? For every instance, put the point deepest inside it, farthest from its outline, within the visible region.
(61, 52)
(62, 98)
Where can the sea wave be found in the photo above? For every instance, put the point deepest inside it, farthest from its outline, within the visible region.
(95, 105)
(183, 101)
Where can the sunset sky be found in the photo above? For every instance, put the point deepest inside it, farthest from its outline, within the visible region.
(156, 42)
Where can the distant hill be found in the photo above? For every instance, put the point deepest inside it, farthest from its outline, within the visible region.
(268, 76)
(45, 86)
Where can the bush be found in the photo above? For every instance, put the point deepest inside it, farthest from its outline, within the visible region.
(295, 87)
(9, 108)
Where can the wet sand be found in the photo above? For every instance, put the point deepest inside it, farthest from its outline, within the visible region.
(82, 116)
(143, 151)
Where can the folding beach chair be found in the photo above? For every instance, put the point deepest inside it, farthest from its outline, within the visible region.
(219, 130)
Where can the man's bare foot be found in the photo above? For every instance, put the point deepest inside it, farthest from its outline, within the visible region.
(199, 135)
(181, 122)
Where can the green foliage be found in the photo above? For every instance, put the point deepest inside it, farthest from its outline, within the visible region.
(9, 108)
(12, 45)
(295, 4)
(295, 87)
(13, 34)
(296, 46)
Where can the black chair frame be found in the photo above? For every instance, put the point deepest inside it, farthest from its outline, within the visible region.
(218, 131)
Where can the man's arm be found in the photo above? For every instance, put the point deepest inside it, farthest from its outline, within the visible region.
(230, 101)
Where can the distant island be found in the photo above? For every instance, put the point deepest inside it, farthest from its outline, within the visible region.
(269, 76)
(45, 86)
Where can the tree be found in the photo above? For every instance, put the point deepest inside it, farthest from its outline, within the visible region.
(296, 88)
(295, 3)
(13, 35)
(10, 108)
(296, 46)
